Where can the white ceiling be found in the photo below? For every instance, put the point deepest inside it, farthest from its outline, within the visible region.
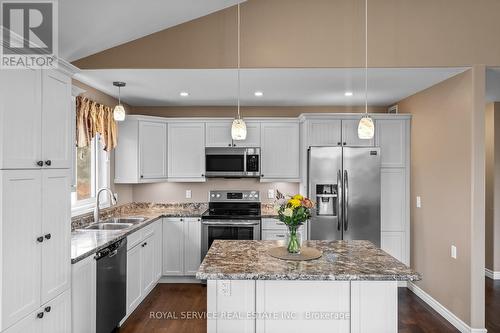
(493, 85)
(281, 87)
(90, 26)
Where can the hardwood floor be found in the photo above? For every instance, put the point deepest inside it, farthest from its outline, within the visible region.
(169, 302)
(492, 293)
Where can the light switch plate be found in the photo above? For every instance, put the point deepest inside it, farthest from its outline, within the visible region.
(270, 194)
(225, 288)
(419, 201)
(188, 194)
(454, 252)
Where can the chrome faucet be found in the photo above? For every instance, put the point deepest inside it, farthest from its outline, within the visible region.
(97, 209)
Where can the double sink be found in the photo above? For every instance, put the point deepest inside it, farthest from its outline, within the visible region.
(115, 223)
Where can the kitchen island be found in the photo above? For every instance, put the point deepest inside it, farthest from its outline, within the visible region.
(351, 288)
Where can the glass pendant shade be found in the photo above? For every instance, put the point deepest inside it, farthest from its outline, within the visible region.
(366, 128)
(119, 113)
(239, 130)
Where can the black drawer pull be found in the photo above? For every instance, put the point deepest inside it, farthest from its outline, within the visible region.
(39, 315)
(48, 162)
(39, 239)
(48, 308)
(39, 163)
(48, 236)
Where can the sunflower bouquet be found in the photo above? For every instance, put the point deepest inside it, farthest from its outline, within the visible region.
(293, 211)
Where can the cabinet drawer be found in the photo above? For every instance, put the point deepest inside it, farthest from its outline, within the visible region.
(134, 239)
(148, 230)
(272, 223)
(274, 234)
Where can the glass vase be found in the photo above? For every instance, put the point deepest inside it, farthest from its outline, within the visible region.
(294, 240)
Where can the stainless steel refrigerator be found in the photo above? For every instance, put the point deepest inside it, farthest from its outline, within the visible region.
(344, 182)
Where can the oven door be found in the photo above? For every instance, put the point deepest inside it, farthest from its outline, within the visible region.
(228, 229)
(224, 162)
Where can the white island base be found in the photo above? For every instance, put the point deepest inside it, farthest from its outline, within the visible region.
(275, 306)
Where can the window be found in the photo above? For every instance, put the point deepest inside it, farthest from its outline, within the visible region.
(91, 172)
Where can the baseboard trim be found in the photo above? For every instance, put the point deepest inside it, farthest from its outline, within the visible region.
(179, 279)
(492, 274)
(443, 311)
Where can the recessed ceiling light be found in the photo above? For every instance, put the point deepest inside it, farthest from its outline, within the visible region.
(184, 94)
(258, 93)
(348, 93)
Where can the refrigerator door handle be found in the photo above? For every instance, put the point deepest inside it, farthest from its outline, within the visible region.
(346, 206)
(339, 199)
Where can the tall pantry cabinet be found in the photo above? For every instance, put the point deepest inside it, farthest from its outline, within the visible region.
(35, 207)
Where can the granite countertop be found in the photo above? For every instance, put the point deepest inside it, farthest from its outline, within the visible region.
(341, 260)
(85, 243)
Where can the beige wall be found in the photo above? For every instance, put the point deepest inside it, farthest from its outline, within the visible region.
(124, 191)
(175, 192)
(443, 170)
(321, 33)
(493, 186)
(225, 111)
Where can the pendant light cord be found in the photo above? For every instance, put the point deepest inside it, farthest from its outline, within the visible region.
(119, 95)
(366, 57)
(239, 63)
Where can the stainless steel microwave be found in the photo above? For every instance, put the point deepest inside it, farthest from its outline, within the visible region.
(232, 162)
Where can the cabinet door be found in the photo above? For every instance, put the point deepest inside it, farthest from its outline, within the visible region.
(390, 137)
(253, 136)
(350, 134)
(158, 234)
(56, 136)
(280, 151)
(20, 119)
(192, 245)
(393, 199)
(21, 251)
(31, 324)
(173, 246)
(324, 133)
(393, 243)
(153, 149)
(218, 134)
(57, 315)
(83, 292)
(56, 247)
(186, 151)
(147, 262)
(134, 283)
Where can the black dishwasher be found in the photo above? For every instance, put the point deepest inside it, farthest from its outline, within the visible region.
(111, 286)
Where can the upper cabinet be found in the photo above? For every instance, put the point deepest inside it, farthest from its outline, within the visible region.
(141, 153)
(391, 136)
(280, 151)
(186, 151)
(218, 134)
(350, 134)
(324, 132)
(35, 113)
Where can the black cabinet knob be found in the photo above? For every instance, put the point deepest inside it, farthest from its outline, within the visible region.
(48, 308)
(39, 315)
(142, 176)
(146, 244)
(203, 175)
(48, 162)
(48, 236)
(345, 143)
(39, 239)
(229, 145)
(39, 163)
(234, 144)
(339, 143)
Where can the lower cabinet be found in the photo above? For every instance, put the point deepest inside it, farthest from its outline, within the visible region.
(143, 262)
(181, 246)
(83, 302)
(274, 229)
(52, 317)
(393, 242)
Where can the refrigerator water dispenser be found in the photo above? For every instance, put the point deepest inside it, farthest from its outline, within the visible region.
(326, 199)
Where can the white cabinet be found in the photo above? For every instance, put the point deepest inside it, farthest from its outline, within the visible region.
(280, 151)
(181, 246)
(52, 317)
(158, 245)
(393, 199)
(391, 137)
(253, 135)
(350, 134)
(141, 154)
(83, 292)
(35, 119)
(186, 151)
(218, 134)
(142, 264)
(394, 244)
(153, 149)
(274, 229)
(324, 132)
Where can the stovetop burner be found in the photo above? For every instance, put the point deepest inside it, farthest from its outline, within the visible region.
(232, 205)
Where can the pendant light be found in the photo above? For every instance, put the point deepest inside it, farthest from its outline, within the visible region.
(366, 128)
(239, 128)
(119, 111)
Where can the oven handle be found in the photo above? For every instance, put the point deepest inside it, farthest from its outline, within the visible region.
(232, 223)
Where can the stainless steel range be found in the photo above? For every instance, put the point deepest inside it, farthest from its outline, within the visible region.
(231, 215)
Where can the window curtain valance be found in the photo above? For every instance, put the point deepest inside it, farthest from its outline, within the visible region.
(93, 118)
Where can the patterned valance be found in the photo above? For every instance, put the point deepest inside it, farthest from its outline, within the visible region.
(92, 118)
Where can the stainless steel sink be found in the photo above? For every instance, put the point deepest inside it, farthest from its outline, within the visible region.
(129, 220)
(109, 226)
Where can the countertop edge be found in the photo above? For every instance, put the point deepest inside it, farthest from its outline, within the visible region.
(208, 276)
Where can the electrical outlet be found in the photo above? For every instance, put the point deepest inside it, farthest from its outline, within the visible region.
(188, 194)
(454, 252)
(225, 288)
(270, 193)
(419, 201)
